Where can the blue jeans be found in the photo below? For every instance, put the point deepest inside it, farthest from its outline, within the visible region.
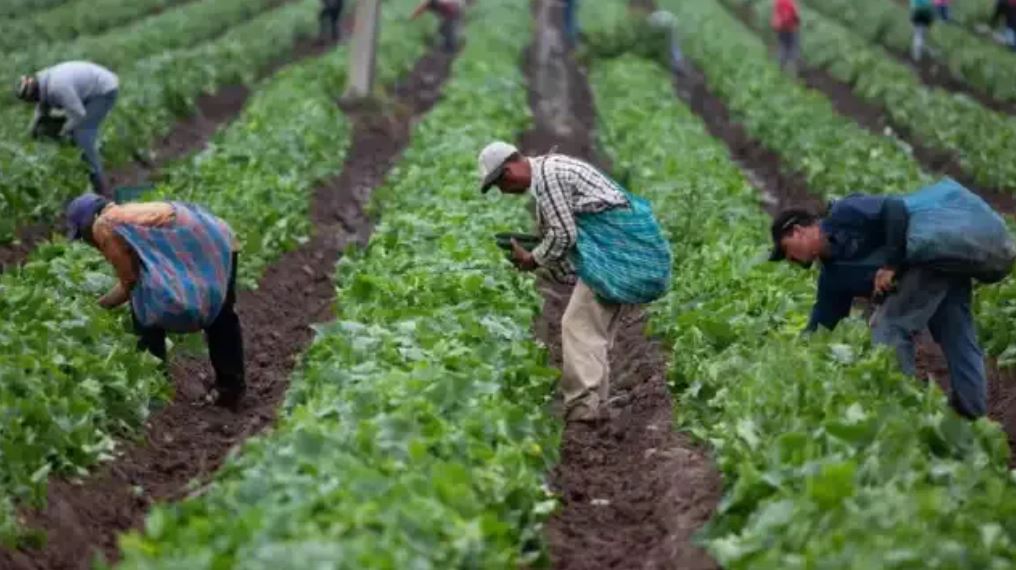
(940, 302)
(86, 136)
(570, 25)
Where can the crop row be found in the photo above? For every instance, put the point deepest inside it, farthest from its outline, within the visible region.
(415, 434)
(155, 91)
(972, 15)
(177, 28)
(72, 380)
(836, 156)
(988, 67)
(980, 138)
(832, 459)
(13, 9)
(72, 19)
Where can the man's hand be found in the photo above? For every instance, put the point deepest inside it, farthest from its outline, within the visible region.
(884, 280)
(522, 258)
(116, 296)
(107, 302)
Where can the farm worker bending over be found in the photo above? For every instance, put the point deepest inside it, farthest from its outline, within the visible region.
(666, 22)
(176, 264)
(786, 22)
(328, 19)
(592, 226)
(920, 252)
(1005, 10)
(86, 92)
(922, 15)
(450, 13)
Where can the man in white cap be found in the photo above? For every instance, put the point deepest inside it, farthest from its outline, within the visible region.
(590, 226)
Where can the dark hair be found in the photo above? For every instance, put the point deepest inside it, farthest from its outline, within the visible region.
(784, 223)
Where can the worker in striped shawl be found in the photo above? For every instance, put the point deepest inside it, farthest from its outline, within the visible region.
(590, 227)
(176, 265)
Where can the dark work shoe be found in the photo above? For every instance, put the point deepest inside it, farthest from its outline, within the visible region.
(228, 398)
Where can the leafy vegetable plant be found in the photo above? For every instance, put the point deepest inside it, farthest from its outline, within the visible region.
(978, 61)
(416, 433)
(77, 18)
(155, 92)
(832, 459)
(836, 156)
(13, 9)
(956, 124)
(71, 378)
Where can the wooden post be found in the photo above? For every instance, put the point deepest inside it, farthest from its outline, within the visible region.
(364, 50)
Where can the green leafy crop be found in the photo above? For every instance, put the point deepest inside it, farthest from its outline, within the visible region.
(976, 60)
(156, 89)
(71, 379)
(76, 18)
(416, 432)
(836, 156)
(980, 138)
(832, 459)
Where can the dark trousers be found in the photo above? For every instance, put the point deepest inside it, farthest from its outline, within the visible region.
(449, 30)
(224, 338)
(329, 21)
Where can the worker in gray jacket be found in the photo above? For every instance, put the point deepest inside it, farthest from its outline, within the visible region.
(86, 93)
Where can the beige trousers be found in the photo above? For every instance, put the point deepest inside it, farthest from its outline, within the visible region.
(587, 334)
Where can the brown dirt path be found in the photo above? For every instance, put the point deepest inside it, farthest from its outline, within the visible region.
(187, 440)
(633, 492)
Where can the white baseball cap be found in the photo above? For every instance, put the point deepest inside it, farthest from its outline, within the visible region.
(492, 159)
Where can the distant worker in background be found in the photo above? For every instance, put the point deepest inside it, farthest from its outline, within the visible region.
(571, 26)
(922, 15)
(666, 22)
(176, 264)
(1005, 10)
(786, 22)
(943, 9)
(331, 11)
(450, 13)
(86, 93)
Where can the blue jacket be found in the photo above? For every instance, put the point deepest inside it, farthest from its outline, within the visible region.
(865, 233)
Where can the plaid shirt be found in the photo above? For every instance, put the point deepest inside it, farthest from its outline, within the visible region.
(564, 186)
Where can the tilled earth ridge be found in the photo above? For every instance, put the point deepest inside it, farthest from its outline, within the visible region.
(633, 492)
(187, 440)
